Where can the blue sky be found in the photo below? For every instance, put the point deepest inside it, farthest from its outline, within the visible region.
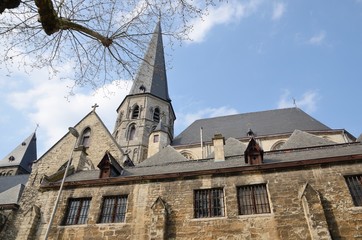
(246, 56)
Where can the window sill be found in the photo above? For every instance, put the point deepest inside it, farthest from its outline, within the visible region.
(115, 223)
(208, 218)
(263, 215)
(355, 209)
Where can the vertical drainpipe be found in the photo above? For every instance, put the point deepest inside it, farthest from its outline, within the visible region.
(201, 143)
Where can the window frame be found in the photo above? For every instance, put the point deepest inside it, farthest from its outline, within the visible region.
(209, 203)
(251, 202)
(116, 209)
(354, 184)
(77, 214)
(156, 115)
(131, 133)
(85, 139)
(135, 112)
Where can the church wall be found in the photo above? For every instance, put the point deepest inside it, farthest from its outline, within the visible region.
(286, 221)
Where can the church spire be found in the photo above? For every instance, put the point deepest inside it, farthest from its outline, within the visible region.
(151, 77)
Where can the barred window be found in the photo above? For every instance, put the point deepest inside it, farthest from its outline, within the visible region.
(355, 187)
(77, 211)
(113, 209)
(253, 199)
(209, 203)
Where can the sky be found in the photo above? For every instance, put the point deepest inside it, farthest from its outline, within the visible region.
(246, 56)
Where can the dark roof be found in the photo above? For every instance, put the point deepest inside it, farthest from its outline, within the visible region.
(281, 156)
(151, 77)
(12, 195)
(165, 156)
(272, 122)
(7, 182)
(300, 139)
(23, 155)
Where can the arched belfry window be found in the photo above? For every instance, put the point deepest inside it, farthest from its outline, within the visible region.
(156, 115)
(135, 112)
(85, 137)
(131, 132)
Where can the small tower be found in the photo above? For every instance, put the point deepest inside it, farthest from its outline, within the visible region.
(158, 139)
(147, 104)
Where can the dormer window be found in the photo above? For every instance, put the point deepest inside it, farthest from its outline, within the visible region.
(142, 89)
(254, 154)
(135, 112)
(109, 167)
(156, 115)
(85, 137)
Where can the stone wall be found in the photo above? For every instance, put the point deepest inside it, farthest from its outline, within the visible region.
(287, 219)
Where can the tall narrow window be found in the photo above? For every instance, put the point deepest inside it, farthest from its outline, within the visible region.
(85, 137)
(131, 132)
(113, 209)
(156, 115)
(135, 112)
(253, 199)
(209, 203)
(77, 211)
(355, 187)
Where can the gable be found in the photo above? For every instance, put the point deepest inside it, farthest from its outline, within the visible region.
(100, 140)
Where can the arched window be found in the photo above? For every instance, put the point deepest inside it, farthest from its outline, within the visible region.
(85, 137)
(131, 132)
(135, 112)
(277, 145)
(156, 115)
(187, 155)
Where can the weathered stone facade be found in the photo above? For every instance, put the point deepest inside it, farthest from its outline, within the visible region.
(163, 209)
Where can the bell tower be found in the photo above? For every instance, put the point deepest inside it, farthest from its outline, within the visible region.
(147, 104)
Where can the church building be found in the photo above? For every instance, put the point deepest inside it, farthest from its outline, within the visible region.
(276, 174)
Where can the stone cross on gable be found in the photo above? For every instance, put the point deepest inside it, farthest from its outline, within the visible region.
(95, 106)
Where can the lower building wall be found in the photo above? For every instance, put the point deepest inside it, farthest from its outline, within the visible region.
(287, 219)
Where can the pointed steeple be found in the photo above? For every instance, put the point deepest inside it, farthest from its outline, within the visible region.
(22, 156)
(151, 77)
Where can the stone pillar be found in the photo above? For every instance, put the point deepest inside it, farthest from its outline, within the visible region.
(219, 142)
(314, 213)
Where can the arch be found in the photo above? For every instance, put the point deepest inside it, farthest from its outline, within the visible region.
(278, 145)
(85, 139)
(156, 114)
(135, 112)
(131, 133)
(188, 155)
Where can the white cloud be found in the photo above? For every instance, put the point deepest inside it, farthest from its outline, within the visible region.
(226, 12)
(278, 10)
(44, 102)
(317, 39)
(185, 119)
(308, 101)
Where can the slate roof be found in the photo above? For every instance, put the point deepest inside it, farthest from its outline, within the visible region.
(167, 166)
(300, 139)
(12, 195)
(24, 154)
(167, 155)
(152, 73)
(11, 188)
(7, 182)
(279, 121)
(232, 147)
